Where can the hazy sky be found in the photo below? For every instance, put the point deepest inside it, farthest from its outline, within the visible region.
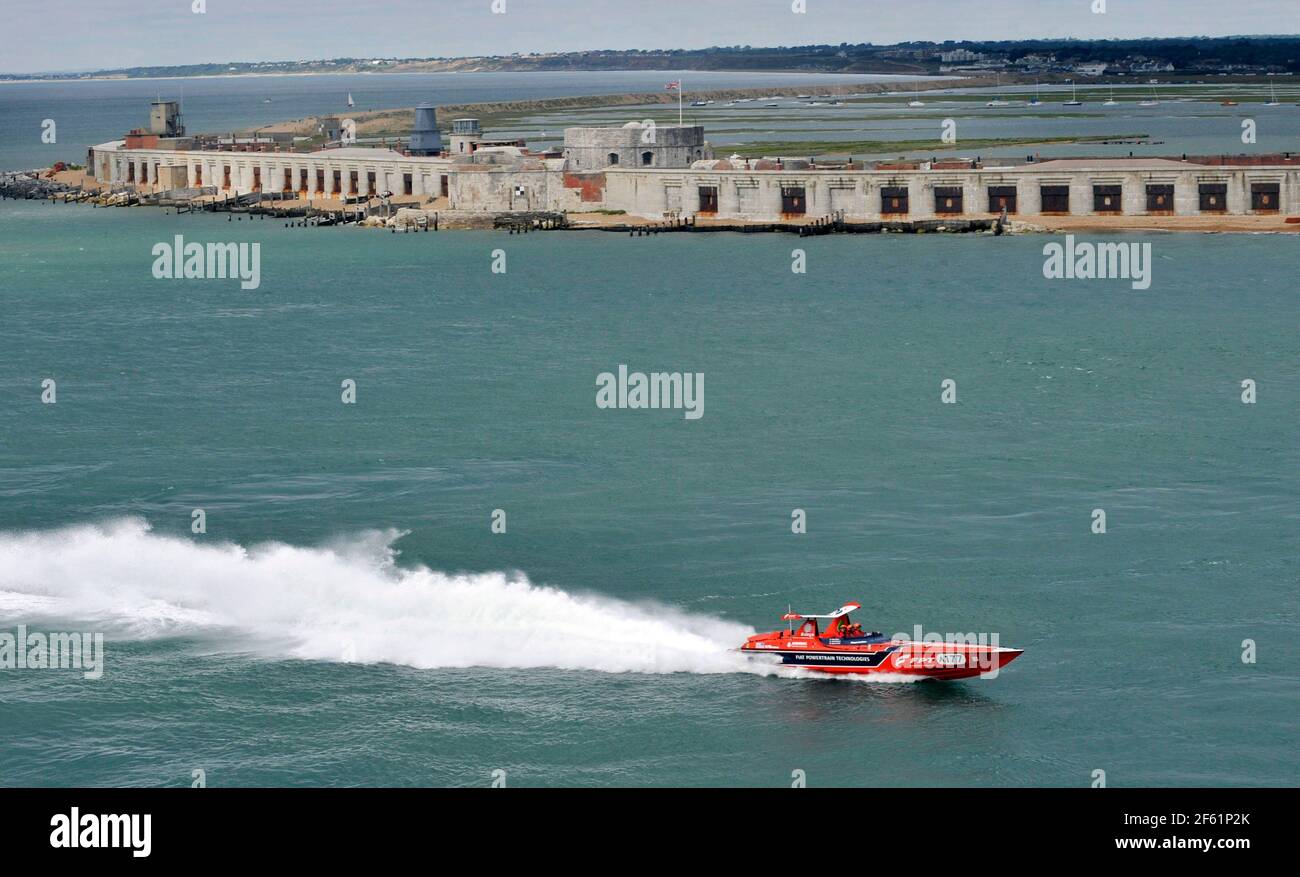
(49, 35)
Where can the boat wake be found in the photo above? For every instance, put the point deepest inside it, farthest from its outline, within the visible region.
(347, 601)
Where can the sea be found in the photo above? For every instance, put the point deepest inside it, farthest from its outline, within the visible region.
(427, 557)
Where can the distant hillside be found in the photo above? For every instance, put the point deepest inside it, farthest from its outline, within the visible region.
(1246, 54)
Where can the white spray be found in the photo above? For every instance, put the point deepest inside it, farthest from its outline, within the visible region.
(345, 602)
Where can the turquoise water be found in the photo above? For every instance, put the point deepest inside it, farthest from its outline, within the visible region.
(373, 630)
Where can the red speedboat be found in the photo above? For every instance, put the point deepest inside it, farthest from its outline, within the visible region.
(843, 647)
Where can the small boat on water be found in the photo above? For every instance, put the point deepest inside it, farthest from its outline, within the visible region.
(1272, 91)
(1074, 96)
(845, 648)
(1229, 102)
(997, 101)
(1111, 102)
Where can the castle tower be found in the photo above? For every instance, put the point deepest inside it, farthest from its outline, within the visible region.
(465, 136)
(165, 118)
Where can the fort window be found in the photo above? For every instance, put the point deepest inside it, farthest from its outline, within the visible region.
(352, 182)
(144, 172)
(445, 188)
(198, 175)
(338, 182)
(1108, 199)
(1214, 197)
(370, 182)
(130, 172)
(1264, 197)
(947, 199)
(1056, 199)
(1160, 199)
(225, 176)
(257, 179)
(320, 181)
(1002, 198)
(408, 187)
(794, 200)
(302, 180)
(893, 199)
(613, 158)
(708, 199)
(647, 158)
(155, 172)
(288, 180)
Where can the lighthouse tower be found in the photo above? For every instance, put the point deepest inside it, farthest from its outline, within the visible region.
(425, 138)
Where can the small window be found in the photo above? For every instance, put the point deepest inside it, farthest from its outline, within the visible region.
(947, 199)
(893, 199)
(1160, 199)
(1214, 197)
(708, 199)
(1108, 199)
(1264, 197)
(613, 158)
(1056, 199)
(1002, 198)
(647, 158)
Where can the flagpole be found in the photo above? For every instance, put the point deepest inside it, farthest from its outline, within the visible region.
(680, 89)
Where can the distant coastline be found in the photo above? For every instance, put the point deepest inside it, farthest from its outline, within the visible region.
(1189, 55)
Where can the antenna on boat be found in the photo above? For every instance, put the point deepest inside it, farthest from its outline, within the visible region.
(789, 622)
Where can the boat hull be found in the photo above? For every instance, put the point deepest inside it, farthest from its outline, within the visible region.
(941, 661)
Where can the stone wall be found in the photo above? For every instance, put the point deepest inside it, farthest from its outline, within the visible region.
(635, 146)
(764, 195)
(527, 184)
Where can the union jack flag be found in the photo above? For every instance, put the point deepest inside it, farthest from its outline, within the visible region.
(673, 86)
